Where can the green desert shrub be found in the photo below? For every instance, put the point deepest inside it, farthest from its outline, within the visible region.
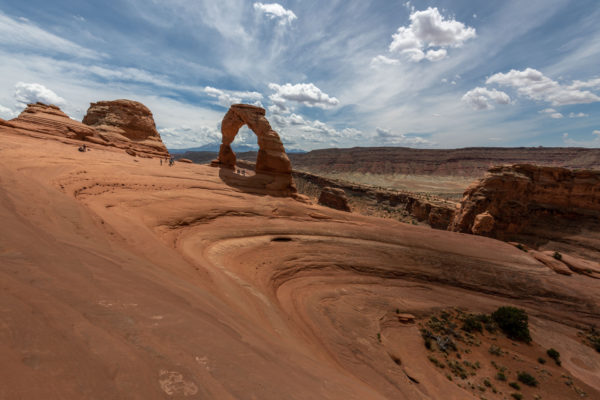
(554, 354)
(471, 323)
(513, 322)
(557, 255)
(527, 379)
(517, 396)
(515, 385)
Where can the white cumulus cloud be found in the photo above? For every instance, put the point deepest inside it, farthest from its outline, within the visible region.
(304, 93)
(26, 93)
(482, 98)
(578, 115)
(428, 36)
(532, 84)
(552, 113)
(276, 11)
(6, 113)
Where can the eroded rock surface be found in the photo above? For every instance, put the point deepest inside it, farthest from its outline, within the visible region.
(535, 204)
(50, 120)
(334, 198)
(127, 124)
(271, 159)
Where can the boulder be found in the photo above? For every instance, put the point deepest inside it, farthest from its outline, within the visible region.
(483, 224)
(334, 198)
(126, 124)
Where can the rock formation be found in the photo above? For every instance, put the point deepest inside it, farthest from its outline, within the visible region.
(532, 203)
(271, 160)
(334, 198)
(50, 120)
(126, 124)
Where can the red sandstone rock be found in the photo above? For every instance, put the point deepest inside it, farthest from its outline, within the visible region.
(483, 224)
(126, 124)
(579, 265)
(515, 195)
(555, 265)
(50, 120)
(185, 160)
(334, 198)
(271, 159)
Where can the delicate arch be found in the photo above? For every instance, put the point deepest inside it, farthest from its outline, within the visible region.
(271, 154)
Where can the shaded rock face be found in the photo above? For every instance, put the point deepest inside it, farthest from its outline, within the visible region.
(334, 198)
(127, 124)
(532, 202)
(271, 158)
(483, 224)
(50, 120)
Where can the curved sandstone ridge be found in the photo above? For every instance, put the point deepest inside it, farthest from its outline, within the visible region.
(532, 203)
(50, 120)
(125, 123)
(146, 285)
(271, 159)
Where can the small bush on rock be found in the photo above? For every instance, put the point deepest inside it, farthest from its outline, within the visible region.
(513, 322)
(527, 379)
(554, 354)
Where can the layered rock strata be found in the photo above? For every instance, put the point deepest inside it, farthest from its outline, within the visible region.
(534, 204)
(127, 124)
(271, 159)
(50, 120)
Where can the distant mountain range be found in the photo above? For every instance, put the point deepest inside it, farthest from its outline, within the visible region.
(238, 148)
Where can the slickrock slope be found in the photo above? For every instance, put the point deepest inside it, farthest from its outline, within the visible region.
(124, 279)
(535, 205)
(50, 120)
(126, 124)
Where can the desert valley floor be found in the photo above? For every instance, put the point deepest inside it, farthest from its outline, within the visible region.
(124, 279)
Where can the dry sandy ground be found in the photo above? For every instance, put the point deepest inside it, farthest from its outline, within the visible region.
(124, 279)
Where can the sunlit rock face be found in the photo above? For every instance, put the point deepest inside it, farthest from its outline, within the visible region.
(127, 124)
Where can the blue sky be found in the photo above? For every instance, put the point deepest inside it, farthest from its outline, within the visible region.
(435, 74)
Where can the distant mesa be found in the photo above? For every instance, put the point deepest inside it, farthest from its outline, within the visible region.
(271, 160)
(127, 124)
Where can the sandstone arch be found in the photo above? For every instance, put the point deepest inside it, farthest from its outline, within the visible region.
(271, 160)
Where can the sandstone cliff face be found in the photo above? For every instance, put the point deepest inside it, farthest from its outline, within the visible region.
(127, 124)
(50, 120)
(533, 203)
